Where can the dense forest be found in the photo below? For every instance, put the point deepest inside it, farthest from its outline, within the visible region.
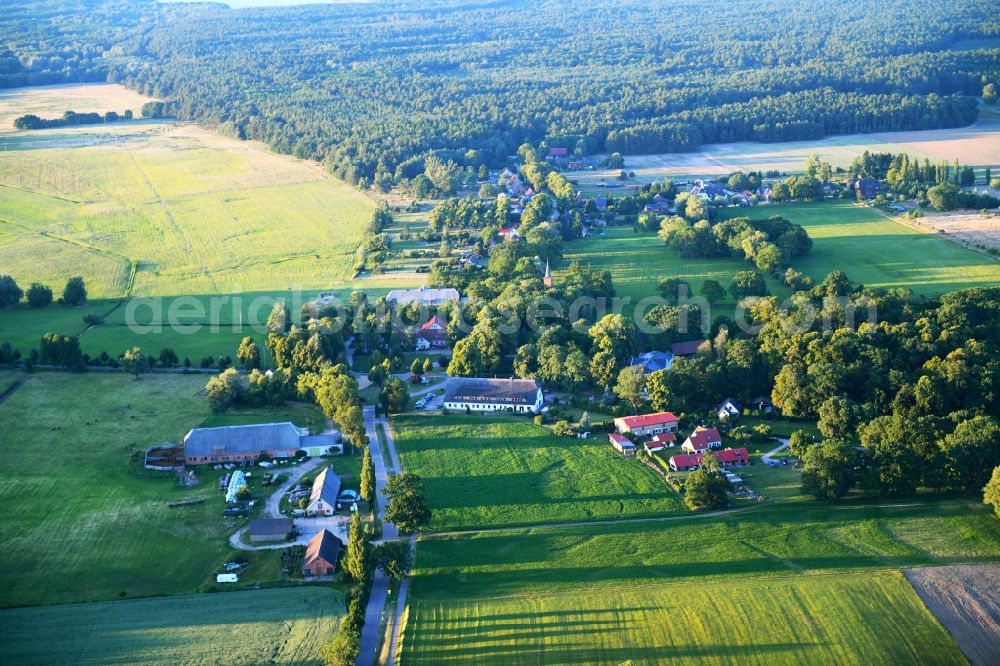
(363, 84)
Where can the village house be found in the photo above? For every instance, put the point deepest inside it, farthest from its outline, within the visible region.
(432, 335)
(321, 554)
(323, 498)
(523, 396)
(509, 233)
(423, 296)
(867, 188)
(702, 439)
(729, 410)
(687, 461)
(687, 348)
(646, 424)
(652, 361)
(243, 443)
(271, 529)
(557, 152)
(664, 440)
(622, 444)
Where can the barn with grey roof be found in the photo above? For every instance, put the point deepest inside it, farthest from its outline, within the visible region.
(243, 443)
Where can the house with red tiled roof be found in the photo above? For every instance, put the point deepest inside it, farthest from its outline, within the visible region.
(646, 424)
(558, 152)
(432, 335)
(622, 444)
(662, 441)
(509, 233)
(702, 439)
(687, 461)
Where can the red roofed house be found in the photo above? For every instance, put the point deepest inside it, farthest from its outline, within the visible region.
(702, 439)
(558, 152)
(622, 444)
(509, 233)
(647, 424)
(433, 334)
(688, 461)
(660, 442)
(685, 461)
(688, 348)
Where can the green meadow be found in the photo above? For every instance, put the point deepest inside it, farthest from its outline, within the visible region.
(481, 471)
(83, 520)
(279, 626)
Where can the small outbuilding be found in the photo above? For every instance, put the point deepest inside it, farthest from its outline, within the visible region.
(622, 444)
(271, 529)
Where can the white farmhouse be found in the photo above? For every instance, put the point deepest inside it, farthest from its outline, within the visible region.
(522, 396)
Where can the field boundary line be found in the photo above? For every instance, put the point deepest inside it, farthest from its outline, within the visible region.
(935, 233)
(10, 390)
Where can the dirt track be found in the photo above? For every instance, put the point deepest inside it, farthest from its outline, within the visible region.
(966, 600)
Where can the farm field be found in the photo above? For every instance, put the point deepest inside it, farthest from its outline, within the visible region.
(637, 261)
(769, 539)
(165, 210)
(483, 471)
(842, 618)
(877, 251)
(277, 626)
(83, 520)
(977, 145)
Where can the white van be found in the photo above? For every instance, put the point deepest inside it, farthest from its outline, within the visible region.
(227, 578)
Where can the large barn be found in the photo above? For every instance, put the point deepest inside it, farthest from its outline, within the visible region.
(242, 443)
(522, 396)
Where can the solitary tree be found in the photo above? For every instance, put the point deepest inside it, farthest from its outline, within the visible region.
(39, 296)
(10, 293)
(248, 354)
(75, 292)
(394, 559)
(631, 385)
(358, 551)
(991, 492)
(407, 507)
(367, 476)
(705, 490)
(135, 362)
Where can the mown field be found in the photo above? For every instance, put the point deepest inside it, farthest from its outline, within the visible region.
(82, 520)
(791, 583)
(829, 619)
(279, 626)
(877, 251)
(486, 471)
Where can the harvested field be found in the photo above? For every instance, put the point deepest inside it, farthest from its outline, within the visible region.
(970, 229)
(52, 101)
(977, 145)
(965, 598)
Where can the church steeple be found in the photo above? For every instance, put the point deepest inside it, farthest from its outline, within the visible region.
(547, 280)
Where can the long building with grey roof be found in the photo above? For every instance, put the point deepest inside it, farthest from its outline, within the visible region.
(241, 443)
(522, 396)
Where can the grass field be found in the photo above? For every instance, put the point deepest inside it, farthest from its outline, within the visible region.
(637, 261)
(789, 583)
(493, 471)
(793, 538)
(280, 626)
(877, 251)
(830, 619)
(83, 520)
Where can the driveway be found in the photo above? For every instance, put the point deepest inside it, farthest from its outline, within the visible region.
(766, 457)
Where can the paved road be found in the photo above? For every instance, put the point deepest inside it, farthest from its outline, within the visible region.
(380, 585)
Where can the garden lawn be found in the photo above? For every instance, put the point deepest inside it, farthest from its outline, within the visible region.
(482, 471)
(875, 250)
(829, 619)
(277, 626)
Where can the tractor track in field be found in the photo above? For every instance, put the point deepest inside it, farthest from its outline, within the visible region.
(10, 390)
